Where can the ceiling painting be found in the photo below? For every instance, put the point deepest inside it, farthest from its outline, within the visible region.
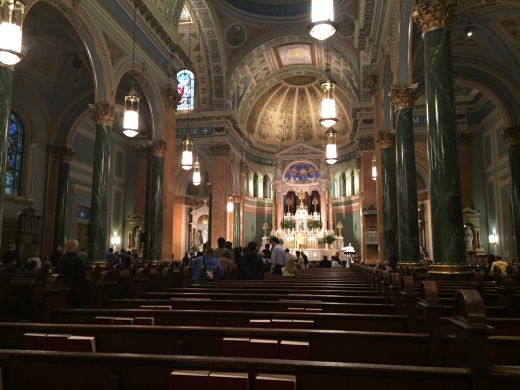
(295, 54)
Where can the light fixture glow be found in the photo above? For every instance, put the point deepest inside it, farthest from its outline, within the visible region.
(11, 23)
(131, 116)
(196, 172)
(230, 204)
(328, 104)
(323, 25)
(492, 239)
(187, 153)
(374, 169)
(469, 30)
(331, 153)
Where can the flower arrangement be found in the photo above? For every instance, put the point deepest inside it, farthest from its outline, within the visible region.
(329, 239)
(315, 224)
(287, 224)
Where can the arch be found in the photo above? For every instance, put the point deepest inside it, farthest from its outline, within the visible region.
(15, 141)
(267, 190)
(255, 185)
(343, 185)
(349, 181)
(186, 87)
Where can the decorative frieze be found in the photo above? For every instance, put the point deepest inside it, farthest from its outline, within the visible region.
(221, 150)
(464, 140)
(512, 135)
(373, 84)
(433, 14)
(102, 113)
(172, 97)
(386, 140)
(403, 96)
(367, 144)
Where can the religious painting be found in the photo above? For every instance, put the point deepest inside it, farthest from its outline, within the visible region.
(186, 80)
(295, 54)
(302, 172)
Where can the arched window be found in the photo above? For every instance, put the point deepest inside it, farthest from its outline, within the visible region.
(14, 156)
(355, 185)
(348, 184)
(342, 185)
(246, 184)
(186, 80)
(255, 185)
(267, 187)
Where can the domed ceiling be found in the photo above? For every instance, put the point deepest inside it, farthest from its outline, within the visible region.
(290, 109)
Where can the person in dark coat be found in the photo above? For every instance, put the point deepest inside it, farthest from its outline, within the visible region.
(56, 255)
(72, 267)
(325, 263)
(11, 255)
(27, 271)
(251, 266)
(392, 258)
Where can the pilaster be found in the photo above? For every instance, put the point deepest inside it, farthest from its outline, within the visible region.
(64, 156)
(512, 137)
(221, 154)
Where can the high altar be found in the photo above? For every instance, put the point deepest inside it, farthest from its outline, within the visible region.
(302, 193)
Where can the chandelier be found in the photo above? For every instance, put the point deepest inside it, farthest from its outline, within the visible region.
(322, 17)
(131, 116)
(11, 22)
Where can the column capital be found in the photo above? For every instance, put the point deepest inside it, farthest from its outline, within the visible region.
(172, 97)
(367, 144)
(158, 148)
(61, 153)
(178, 199)
(435, 14)
(358, 162)
(102, 113)
(243, 166)
(403, 96)
(464, 140)
(512, 135)
(386, 139)
(236, 198)
(221, 150)
(142, 152)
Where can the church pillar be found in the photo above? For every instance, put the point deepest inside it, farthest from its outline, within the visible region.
(329, 210)
(324, 212)
(243, 178)
(65, 156)
(141, 178)
(6, 90)
(386, 142)
(447, 224)
(169, 176)
(237, 200)
(155, 252)
(280, 209)
(103, 115)
(465, 170)
(220, 169)
(179, 226)
(403, 100)
(50, 200)
(512, 137)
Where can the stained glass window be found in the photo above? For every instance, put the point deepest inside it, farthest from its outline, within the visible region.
(14, 156)
(186, 80)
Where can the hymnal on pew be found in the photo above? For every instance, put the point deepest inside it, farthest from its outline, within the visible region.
(144, 321)
(104, 320)
(260, 323)
(228, 381)
(58, 342)
(123, 321)
(275, 382)
(81, 344)
(281, 324)
(294, 350)
(264, 349)
(35, 341)
(235, 347)
(189, 380)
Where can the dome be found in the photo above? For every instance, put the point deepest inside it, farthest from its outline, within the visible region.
(290, 109)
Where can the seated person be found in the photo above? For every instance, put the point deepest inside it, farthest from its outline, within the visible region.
(312, 264)
(207, 260)
(325, 263)
(500, 264)
(227, 263)
(251, 266)
(335, 262)
(27, 270)
(289, 269)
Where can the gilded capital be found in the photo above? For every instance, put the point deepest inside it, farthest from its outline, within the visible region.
(142, 152)
(464, 140)
(367, 144)
(61, 153)
(403, 96)
(221, 150)
(433, 14)
(386, 140)
(358, 162)
(512, 135)
(243, 166)
(172, 97)
(102, 113)
(236, 198)
(158, 148)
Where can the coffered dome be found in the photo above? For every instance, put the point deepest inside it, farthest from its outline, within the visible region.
(290, 109)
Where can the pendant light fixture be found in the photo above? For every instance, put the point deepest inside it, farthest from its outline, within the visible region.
(196, 172)
(187, 142)
(374, 169)
(322, 17)
(328, 102)
(11, 23)
(331, 152)
(131, 117)
(229, 204)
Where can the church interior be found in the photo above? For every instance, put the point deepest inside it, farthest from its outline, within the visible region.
(158, 126)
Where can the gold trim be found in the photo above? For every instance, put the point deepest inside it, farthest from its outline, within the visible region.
(403, 96)
(511, 135)
(449, 269)
(436, 14)
(386, 140)
(102, 113)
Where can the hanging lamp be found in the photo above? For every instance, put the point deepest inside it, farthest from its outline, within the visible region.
(187, 153)
(196, 172)
(229, 204)
(322, 18)
(11, 23)
(328, 101)
(131, 116)
(374, 169)
(331, 152)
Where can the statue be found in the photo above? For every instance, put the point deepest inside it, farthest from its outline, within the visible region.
(301, 196)
(468, 237)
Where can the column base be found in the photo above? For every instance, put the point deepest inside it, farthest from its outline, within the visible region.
(413, 265)
(450, 272)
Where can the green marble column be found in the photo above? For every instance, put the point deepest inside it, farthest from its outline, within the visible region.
(236, 220)
(512, 137)
(6, 90)
(443, 153)
(403, 100)
(156, 197)
(103, 115)
(64, 156)
(389, 193)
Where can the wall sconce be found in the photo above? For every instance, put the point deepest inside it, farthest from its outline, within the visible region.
(493, 239)
(116, 240)
(229, 204)
(374, 169)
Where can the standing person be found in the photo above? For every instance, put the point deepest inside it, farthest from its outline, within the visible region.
(229, 247)
(278, 258)
(34, 257)
(392, 258)
(267, 251)
(228, 264)
(127, 261)
(300, 263)
(288, 254)
(121, 256)
(83, 255)
(207, 260)
(305, 259)
(335, 262)
(238, 254)
(325, 263)
(56, 255)
(11, 255)
(111, 257)
(289, 269)
(186, 259)
(251, 267)
(72, 267)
